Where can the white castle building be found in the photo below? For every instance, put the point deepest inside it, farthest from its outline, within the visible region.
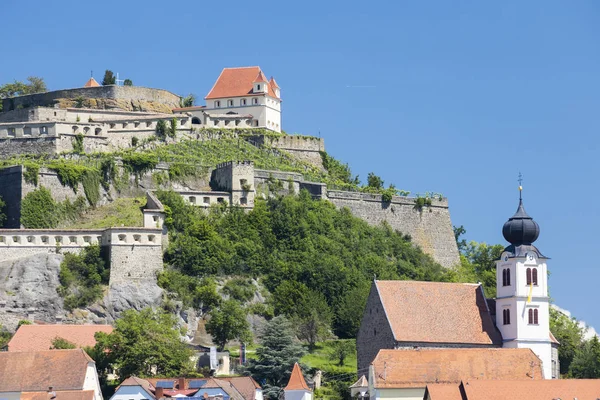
(240, 98)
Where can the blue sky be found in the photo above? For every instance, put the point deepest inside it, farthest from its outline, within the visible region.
(451, 97)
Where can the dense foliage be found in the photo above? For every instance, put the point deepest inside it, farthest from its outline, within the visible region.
(293, 243)
(59, 343)
(276, 356)
(144, 343)
(228, 322)
(82, 276)
(4, 337)
(109, 78)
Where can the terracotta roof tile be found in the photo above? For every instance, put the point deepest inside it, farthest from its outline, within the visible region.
(39, 337)
(60, 395)
(91, 83)
(135, 381)
(435, 312)
(37, 370)
(417, 368)
(237, 82)
(296, 381)
(443, 391)
(237, 387)
(583, 389)
(245, 385)
(273, 83)
(260, 78)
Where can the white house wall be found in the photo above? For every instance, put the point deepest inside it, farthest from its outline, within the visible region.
(91, 381)
(131, 393)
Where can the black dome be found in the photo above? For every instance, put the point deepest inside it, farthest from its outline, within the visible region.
(521, 228)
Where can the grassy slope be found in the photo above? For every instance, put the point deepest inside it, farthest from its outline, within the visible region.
(319, 358)
(121, 212)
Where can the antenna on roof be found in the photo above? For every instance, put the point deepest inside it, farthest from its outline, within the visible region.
(520, 180)
(91, 73)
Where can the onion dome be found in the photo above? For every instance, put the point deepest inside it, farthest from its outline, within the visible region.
(521, 229)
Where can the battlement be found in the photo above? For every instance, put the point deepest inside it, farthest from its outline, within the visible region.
(229, 164)
(378, 198)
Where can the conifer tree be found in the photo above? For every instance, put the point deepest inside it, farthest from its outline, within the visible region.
(109, 78)
(276, 356)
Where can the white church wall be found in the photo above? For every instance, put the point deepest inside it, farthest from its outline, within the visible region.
(298, 395)
(400, 394)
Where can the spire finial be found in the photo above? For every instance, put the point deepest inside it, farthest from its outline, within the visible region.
(520, 180)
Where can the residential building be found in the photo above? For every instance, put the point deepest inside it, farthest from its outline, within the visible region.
(241, 97)
(40, 337)
(297, 389)
(229, 388)
(43, 375)
(510, 390)
(404, 374)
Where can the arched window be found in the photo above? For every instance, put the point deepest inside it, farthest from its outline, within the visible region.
(196, 120)
(528, 272)
(535, 316)
(506, 316)
(530, 314)
(506, 277)
(534, 276)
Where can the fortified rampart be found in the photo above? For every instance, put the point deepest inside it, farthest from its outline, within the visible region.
(134, 98)
(429, 226)
(304, 148)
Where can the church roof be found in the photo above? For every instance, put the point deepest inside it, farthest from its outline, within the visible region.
(296, 381)
(526, 389)
(91, 83)
(433, 312)
(452, 366)
(238, 82)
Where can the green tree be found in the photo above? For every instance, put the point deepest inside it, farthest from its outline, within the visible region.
(567, 331)
(127, 82)
(350, 310)
(81, 276)
(188, 101)
(374, 181)
(313, 318)
(276, 356)
(458, 232)
(173, 128)
(228, 322)
(39, 210)
(341, 349)
(586, 362)
(477, 264)
(109, 78)
(17, 88)
(59, 343)
(144, 343)
(161, 129)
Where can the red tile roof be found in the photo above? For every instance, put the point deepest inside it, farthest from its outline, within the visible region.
(237, 387)
(417, 368)
(548, 389)
(296, 381)
(60, 395)
(36, 371)
(244, 384)
(237, 82)
(443, 391)
(434, 312)
(91, 83)
(273, 83)
(40, 337)
(260, 78)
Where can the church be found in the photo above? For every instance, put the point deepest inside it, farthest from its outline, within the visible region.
(411, 316)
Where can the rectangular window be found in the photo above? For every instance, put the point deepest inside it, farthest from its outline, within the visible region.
(229, 103)
(243, 102)
(258, 87)
(217, 103)
(12, 132)
(255, 101)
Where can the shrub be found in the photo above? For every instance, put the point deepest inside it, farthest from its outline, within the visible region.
(161, 129)
(39, 210)
(78, 143)
(31, 173)
(134, 141)
(241, 289)
(81, 277)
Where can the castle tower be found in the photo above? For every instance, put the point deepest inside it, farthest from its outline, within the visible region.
(522, 303)
(297, 389)
(260, 83)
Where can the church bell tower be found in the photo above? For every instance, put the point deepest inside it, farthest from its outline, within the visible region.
(522, 302)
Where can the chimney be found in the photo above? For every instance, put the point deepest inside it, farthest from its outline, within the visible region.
(158, 393)
(181, 383)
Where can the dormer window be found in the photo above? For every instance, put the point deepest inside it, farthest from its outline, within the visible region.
(258, 87)
(217, 103)
(229, 103)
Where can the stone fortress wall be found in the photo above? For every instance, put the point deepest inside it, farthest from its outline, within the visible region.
(133, 98)
(135, 253)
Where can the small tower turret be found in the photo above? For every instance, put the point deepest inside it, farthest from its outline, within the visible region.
(260, 83)
(297, 389)
(522, 303)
